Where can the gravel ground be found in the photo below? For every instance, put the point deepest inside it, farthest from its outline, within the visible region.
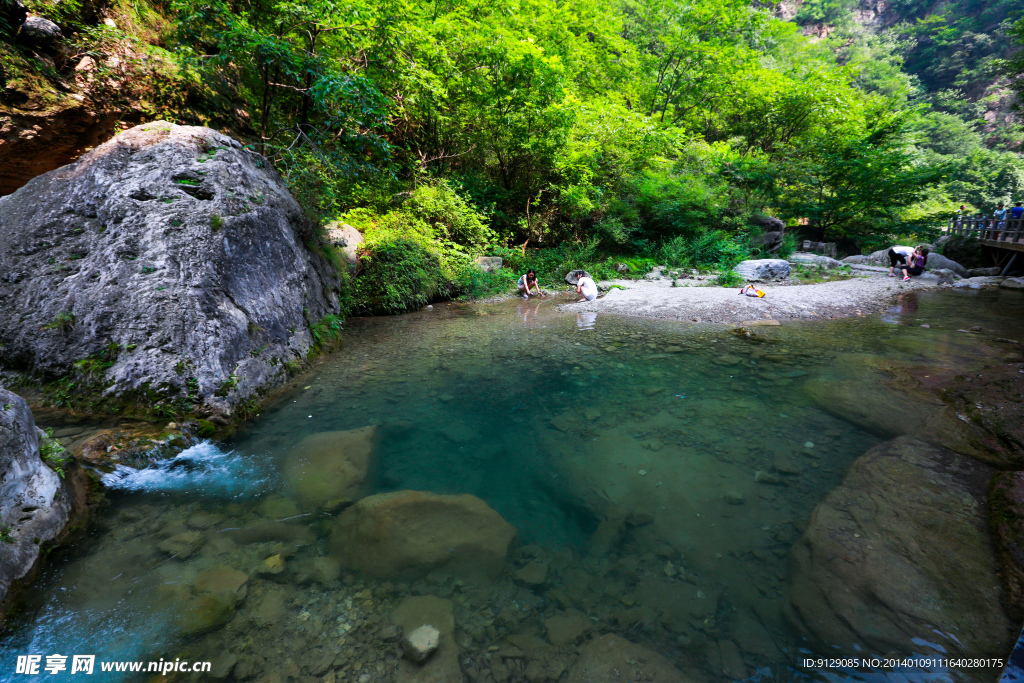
(870, 291)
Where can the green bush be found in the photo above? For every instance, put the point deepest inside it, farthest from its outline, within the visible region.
(326, 330)
(706, 251)
(401, 273)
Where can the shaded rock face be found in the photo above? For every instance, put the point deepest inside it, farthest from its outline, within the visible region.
(409, 534)
(898, 549)
(1006, 511)
(611, 658)
(34, 503)
(763, 269)
(331, 466)
(174, 244)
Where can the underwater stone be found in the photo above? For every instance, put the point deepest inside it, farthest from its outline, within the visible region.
(331, 465)
(206, 612)
(567, 628)
(533, 574)
(408, 534)
(603, 659)
(734, 498)
(182, 545)
(766, 478)
(220, 579)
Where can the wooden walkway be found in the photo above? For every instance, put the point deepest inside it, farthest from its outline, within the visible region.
(1008, 234)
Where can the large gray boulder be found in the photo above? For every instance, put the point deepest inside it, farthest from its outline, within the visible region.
(171, 253)
(938, 261)
(34, 502)
(763, 269)
(815, 260)
(935, 261)
(41, 31)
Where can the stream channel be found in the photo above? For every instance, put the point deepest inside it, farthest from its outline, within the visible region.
(557, 421)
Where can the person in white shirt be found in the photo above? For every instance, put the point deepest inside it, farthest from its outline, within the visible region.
(586, 288)
(898, 258)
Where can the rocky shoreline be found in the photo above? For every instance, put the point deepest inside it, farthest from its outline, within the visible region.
(697, 300)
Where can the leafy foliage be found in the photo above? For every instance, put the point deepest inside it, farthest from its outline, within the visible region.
(53, 453)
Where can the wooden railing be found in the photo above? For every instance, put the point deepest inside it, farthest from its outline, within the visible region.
(1010, 231)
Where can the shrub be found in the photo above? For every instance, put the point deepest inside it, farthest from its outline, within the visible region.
(706, 251)
(400, 274)
(63, 322)
(53, 453)
(326, 330)
(729, 278)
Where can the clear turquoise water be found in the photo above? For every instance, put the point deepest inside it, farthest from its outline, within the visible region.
(555, 420)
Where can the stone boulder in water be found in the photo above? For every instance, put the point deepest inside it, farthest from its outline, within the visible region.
(873, 407)
(34, 502)
(331, 466)
(611, 658)
(901, 548)
(408, 534)
(171, 252)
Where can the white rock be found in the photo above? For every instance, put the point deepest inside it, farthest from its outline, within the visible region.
(421, 643)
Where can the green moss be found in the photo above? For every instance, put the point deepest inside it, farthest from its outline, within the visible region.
(226, 386)
(5, 535)
(216, 222)
(206, 429)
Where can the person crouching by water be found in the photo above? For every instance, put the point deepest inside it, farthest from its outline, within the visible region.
(917, 262)
(528, 282)
(586, 288)
(898, 258)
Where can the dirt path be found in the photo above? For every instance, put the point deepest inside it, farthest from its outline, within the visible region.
(869, 292)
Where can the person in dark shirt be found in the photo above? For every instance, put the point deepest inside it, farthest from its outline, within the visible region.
(1016, 212)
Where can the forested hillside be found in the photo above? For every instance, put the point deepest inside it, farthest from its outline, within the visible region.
(653, 129)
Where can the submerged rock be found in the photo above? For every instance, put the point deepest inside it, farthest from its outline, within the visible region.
(35, 504)
(612, 659)
(872, 406)
(901, 546)
(172, 253)
(414, 614)
(206, 612)
(409, 534)
(331, 465)
(567, 628)
(1006, 510)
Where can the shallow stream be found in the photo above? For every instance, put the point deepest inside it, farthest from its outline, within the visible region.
(557, 421)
